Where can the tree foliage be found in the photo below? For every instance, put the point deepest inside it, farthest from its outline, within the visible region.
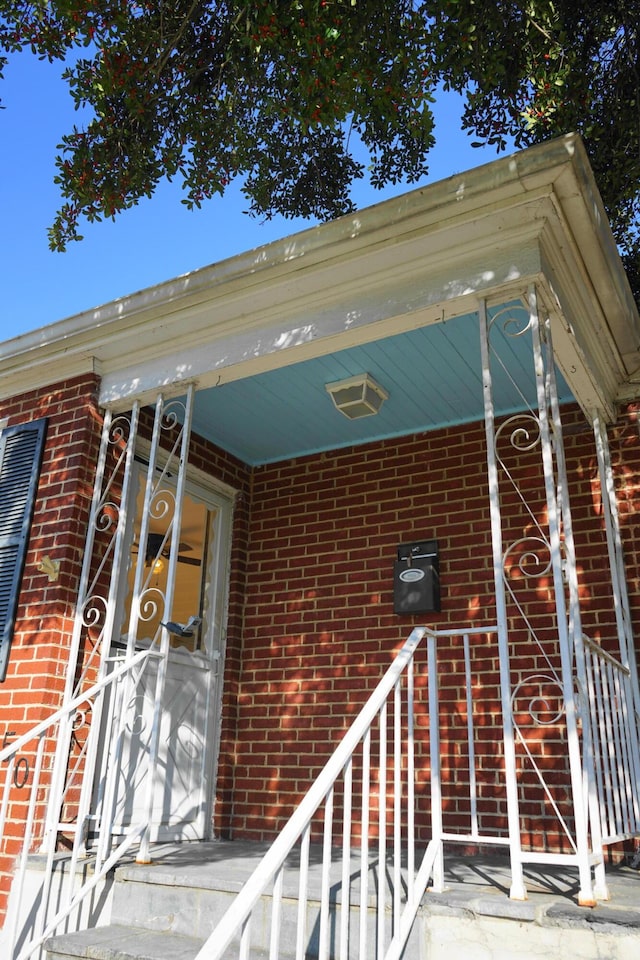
(277, 92)
(536, 70)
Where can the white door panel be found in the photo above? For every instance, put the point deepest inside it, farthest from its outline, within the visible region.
(188, 741)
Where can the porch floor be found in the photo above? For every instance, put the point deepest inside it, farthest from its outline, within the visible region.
(475, 885)
(168, 907)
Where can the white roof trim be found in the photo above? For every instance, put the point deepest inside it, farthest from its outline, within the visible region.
(415, 259)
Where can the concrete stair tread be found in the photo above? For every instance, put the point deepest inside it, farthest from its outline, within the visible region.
(165, 910)
(120, 942)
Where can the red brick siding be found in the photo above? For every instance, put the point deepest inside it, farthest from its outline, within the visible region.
(311, 624)
(319, 627)
(37, 664)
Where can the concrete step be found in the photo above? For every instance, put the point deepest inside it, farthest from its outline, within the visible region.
(165, 911)
(173, 904)
(118, 942)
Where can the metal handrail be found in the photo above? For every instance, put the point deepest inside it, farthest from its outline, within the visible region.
(610, 713)
(610, 707)
(386, 724)
(38, 736)
(270, 871)
(7, 752)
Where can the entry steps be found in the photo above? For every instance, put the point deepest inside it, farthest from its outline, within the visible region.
(165, 911)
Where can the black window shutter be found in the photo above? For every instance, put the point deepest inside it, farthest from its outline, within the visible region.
(21, 449)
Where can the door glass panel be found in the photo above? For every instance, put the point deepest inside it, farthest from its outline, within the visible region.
(195, 544)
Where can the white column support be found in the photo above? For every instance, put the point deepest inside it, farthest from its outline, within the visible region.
(96, 604)
(181, 451)
(616, 557)
(108, 540)
(561, 542)
(518, 890)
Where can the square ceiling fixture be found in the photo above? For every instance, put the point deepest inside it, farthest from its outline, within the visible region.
(358, 396)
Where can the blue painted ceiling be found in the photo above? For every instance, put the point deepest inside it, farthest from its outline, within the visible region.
(433, 376)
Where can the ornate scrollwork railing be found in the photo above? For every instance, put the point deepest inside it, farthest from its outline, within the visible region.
(24, 775)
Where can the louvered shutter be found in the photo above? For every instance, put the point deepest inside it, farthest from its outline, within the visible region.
(20, 458)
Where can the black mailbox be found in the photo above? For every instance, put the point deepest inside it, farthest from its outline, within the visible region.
(416, 578)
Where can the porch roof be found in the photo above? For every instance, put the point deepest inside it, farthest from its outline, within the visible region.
(391, 290)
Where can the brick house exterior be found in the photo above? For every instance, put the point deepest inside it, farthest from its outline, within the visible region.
(319, 625)
(310, 621)
(37, 666)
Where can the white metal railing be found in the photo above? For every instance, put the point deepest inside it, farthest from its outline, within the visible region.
(407, 857)
(472, 824)
(27, 778)
(614, 742)
(388, 719)
(369, 782)
(455, 815)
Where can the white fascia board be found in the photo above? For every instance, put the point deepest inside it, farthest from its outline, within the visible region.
(587, 225)
(421, 277)
(26, 376)
(346, 237)
(594, 317)
(583, 346)
(411, 260)
(289, 333)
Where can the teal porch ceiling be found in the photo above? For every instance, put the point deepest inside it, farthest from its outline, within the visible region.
(433, 376)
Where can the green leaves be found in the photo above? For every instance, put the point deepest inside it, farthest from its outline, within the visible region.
(209, 91)
(272, 91)
(538, 69)
(266, 91)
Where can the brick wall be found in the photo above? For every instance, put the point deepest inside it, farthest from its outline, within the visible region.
(37, 665)
(58, 531)
(319, 627)
(311, 624)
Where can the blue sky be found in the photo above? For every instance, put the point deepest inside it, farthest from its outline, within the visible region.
(155, 241)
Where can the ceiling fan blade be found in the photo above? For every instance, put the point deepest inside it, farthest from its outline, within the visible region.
(154, 543)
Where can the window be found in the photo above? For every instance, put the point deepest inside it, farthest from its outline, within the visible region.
(196, 546)
(21, 449)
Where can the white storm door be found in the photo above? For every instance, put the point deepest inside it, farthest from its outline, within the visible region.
(183, 787)
(191, 696)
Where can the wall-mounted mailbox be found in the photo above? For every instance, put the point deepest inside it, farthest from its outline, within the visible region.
(416, 578)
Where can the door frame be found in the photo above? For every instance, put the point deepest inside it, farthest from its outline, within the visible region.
(218, 496)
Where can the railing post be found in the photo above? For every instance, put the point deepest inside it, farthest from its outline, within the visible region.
(382, 827)
(569, 629)
(323, 944)
(144, 854)
(345, 904)
(473, 786)
(411, 783)
(364, 840)
(616, 565)
(518, 891)
(397, 802)
(434, 760)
